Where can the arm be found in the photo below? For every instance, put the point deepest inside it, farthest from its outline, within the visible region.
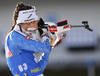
(30, 45)
(45, 57)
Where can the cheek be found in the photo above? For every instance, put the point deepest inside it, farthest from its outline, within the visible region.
(35, 25)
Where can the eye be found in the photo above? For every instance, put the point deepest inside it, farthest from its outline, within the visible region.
(33, 22)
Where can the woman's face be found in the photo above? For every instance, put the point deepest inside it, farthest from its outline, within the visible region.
(33, 24)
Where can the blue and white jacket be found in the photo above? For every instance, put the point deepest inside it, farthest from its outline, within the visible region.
(20, 54)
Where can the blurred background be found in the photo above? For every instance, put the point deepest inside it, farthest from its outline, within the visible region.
(79, 53)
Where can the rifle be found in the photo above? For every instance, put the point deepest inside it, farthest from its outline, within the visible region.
(60, 27)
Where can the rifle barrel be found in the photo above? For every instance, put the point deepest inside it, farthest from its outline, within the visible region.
(78, 26)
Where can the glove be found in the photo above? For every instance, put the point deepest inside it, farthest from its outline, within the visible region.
(47, 34)
(45, 37)
(60, 40)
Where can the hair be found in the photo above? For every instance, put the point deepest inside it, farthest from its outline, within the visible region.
(19, 7)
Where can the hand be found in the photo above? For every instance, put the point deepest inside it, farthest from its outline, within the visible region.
(60, 40)
(52, 41)
(46, 34)
(44, 39)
